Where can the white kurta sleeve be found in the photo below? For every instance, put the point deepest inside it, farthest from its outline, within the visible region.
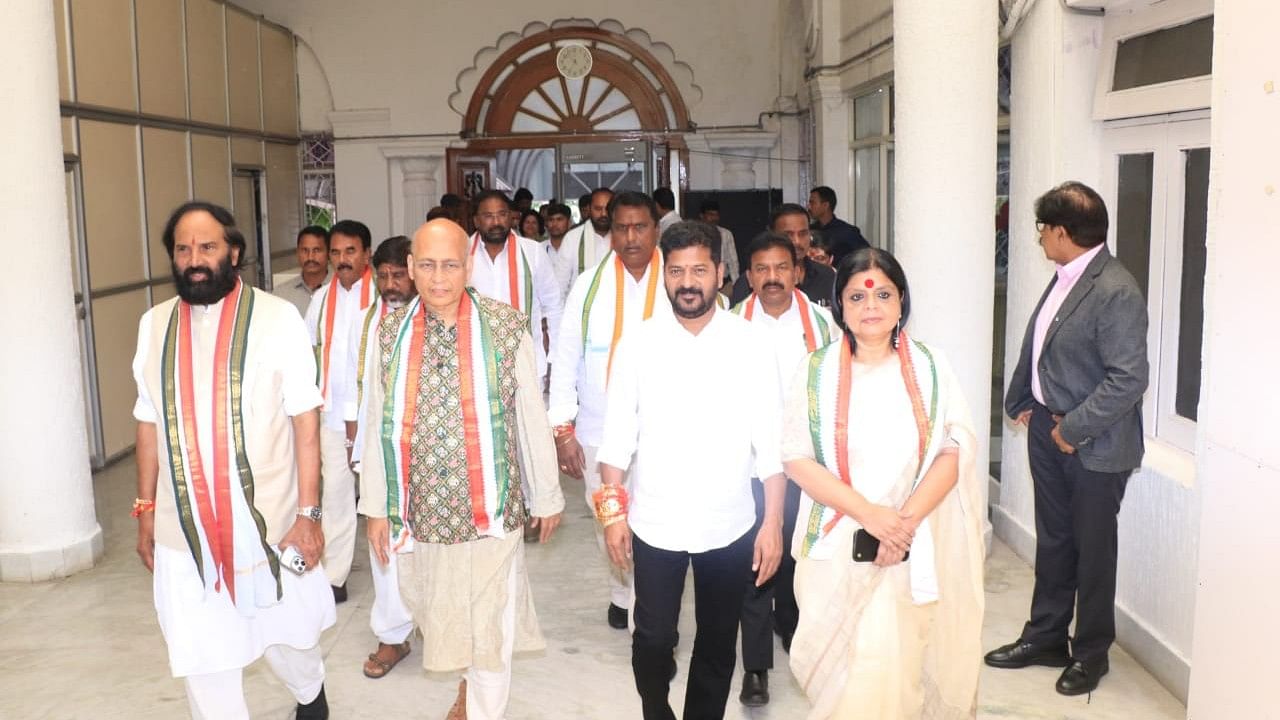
(297, 363)
(567, 358)
(144, 410)
(537, 447)
(548, 292)
(621, 416)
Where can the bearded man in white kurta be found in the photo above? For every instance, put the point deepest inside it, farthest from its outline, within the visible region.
(461, 432)
(229, 475)
(586, 245)
(515, 270)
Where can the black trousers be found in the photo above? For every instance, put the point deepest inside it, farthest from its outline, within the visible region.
(1076, 545)
(771, 606)
(717, 586)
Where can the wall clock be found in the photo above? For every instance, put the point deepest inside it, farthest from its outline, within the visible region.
(574, 61)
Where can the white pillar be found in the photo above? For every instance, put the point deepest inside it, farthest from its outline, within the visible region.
(419, 186)
(831, 111)
(1238, 458)
(47, 524)
(738, 153)
(944, 60)
(414, 169)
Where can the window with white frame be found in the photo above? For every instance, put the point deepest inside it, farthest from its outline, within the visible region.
(1157, 186)
(871, 166)
(1157, 57)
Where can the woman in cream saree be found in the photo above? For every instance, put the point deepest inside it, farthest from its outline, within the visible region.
(878, 436)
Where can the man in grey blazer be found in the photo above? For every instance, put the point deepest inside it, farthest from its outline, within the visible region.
(1078, 387)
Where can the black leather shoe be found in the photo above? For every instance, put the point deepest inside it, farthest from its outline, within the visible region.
(339, 593)
(1020, 654)
(755, 688)
(617, 617)
(1082, 677)
(317, 709)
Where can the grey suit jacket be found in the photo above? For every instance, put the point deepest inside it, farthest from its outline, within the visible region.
(1093, 366)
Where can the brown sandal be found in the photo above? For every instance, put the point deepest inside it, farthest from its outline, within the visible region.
(376, 667)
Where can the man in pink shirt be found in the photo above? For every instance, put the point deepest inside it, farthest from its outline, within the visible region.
(1078, 388)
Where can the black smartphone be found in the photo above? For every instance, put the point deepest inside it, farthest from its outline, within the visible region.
(866, 546)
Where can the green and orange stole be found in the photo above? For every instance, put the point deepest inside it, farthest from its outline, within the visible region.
(224, 531)
(619, 296)
(483, 417)
(816, 331)
(519, 276)
(830, 375)
(324, 324)
(372, 317)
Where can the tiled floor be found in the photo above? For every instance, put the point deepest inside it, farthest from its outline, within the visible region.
(89, 647)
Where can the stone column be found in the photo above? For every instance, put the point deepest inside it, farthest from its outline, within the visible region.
(738, 153)
(48, 528)
(831, 108)
(413, 166)
(1237, 456)
(419, 187)
(944, 60)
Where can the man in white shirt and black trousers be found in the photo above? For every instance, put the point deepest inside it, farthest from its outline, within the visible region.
(676, 414)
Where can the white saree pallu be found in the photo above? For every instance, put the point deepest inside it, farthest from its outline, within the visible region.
(845, 605)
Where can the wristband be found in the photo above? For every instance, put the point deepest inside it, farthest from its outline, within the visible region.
(142, 506)
(611, 504)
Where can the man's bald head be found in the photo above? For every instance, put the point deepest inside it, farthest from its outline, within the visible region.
(440, 265)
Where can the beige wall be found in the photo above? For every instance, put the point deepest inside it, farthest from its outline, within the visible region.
(161, 100)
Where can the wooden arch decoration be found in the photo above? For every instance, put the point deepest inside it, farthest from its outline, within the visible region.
(523, 93)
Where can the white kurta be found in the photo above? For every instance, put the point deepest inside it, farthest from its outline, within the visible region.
(342, 374)
(597, 247)
(578, 383)
(786, 334)
(204, 631)
(489, 278)
(700, 415)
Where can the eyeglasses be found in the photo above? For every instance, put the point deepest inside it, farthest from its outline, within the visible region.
(1041, 225)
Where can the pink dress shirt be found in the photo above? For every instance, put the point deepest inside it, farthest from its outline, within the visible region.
(1067, 276)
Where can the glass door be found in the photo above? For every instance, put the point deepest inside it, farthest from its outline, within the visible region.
(619, 166)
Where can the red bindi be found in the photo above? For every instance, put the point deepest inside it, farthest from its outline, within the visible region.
(869, 283)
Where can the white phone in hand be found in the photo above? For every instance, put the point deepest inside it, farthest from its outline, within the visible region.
(292, 559)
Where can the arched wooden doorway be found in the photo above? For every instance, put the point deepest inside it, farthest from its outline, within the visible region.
(523, 101)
